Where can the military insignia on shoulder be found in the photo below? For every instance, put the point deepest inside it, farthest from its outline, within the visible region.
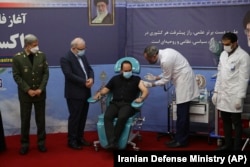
(19, 54)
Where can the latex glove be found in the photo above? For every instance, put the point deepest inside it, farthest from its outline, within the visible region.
(214, 99)
(150, 77)
(147, 84)
(238, 103)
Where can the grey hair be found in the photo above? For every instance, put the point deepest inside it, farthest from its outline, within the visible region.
(76, 41)
(151, 50)
(29, 39)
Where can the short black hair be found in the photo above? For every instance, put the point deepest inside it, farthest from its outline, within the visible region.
(230, 36)
(105, 1)
(151, 50)
(246, 19)
(126, 62)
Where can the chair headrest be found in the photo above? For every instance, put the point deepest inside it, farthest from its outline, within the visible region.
(135, 64)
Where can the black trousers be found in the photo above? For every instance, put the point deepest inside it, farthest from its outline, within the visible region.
(78, 112)
(122, 111)
(2, 139)
(26, 109)
(182, 123)
(229, 120)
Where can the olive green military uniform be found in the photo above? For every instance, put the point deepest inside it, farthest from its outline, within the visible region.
(31, 76)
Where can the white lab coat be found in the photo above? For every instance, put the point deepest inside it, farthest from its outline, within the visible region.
(176, 68)
(232, 79)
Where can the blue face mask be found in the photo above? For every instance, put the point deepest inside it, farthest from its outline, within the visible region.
(127, 74)
(81, 53)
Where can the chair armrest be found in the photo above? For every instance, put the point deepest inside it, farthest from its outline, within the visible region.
(91, 100)
(136, 105)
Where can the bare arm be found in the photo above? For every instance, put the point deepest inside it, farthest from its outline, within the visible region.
(144, 92)
(101, 93)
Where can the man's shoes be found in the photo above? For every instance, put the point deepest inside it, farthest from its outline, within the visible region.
(176, 145)
(170, 142)
(42, 148)
(111, 146)
(75, 146)
(223, 148)
(84, 142)
(24, 150)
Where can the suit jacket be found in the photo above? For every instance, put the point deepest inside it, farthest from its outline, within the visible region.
(28, 76)
(75, 77)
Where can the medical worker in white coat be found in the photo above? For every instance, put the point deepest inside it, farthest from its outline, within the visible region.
(230, 89)
(175, 68)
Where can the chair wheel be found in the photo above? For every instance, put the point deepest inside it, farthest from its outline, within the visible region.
(136, 149)
(96, 149)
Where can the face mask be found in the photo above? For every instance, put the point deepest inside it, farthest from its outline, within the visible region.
(228, 49)
(127, 74)
(34, 49)
(81, 53)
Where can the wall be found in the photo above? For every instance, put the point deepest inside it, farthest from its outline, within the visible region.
(137, 24)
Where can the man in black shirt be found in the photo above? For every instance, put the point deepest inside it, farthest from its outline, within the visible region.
(125, 88)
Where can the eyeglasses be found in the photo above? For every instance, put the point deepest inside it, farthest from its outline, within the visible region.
(247, 31)
(227, 44)
(81, 49)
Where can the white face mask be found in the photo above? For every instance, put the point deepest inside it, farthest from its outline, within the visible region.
(228, 49)
(81, 52)
(127, 75)
(34, 49)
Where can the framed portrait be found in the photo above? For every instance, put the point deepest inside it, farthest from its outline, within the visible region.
(101, 12)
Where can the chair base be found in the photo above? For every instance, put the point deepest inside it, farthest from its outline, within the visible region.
(127, 136)
(132, 136)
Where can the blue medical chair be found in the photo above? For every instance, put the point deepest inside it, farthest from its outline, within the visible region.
(128, 134)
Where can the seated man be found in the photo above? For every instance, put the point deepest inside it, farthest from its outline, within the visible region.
(125, 88)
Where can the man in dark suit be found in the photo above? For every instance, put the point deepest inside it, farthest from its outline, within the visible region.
(2, 138)
(31, 73)
(79, 78)
(103, 16)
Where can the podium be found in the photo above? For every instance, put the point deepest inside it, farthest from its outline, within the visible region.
(2, 139)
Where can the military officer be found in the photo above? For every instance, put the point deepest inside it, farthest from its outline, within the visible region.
(31, 73)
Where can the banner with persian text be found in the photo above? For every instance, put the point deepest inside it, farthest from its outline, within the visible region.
(187, 26)
(186, 29)
(56, 28)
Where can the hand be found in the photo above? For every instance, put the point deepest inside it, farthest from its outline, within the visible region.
(214, 99)
(38, 92)
(97, 96)
(89, 83)
(138, 100)
(238, 103)
(147, 84)
(31, 92)
(150, 77)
